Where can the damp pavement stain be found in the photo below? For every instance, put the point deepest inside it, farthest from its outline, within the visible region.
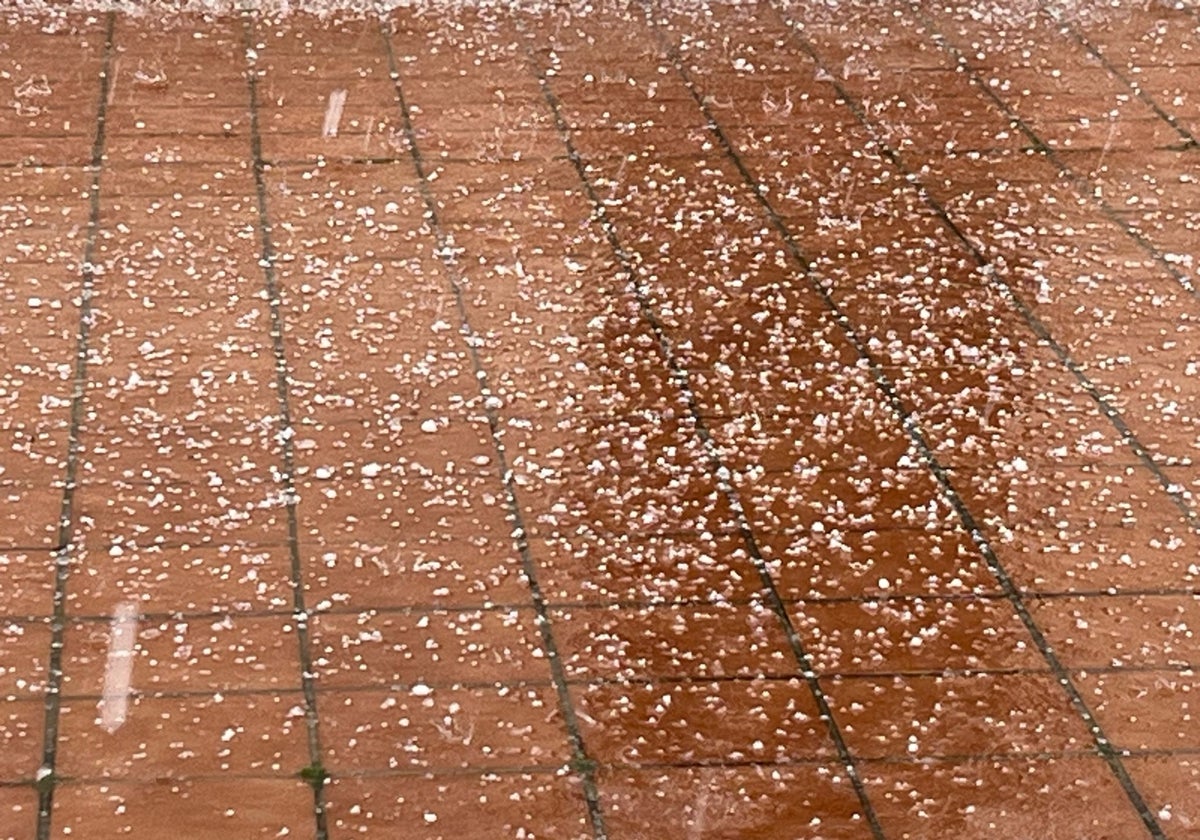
(756, 420)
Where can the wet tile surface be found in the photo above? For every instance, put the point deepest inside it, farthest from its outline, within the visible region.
(735, 420)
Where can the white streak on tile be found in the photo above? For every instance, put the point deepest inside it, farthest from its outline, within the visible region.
(118, 670)
(333, 112)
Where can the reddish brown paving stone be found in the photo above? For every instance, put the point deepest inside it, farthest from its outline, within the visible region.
(847, 499)
(43, 228)
(1043, 496)
(169, 187)
(1080, 557)
(24, 669)
(439, 729)
(397, 445)
(905, 561)
(1078, 797)
(1107, 631)
(924, 717)
(649, 500)
(708, 641)
(29, 576)
(651, 568)
(174, 578)
(1171, 786)
(29, 515)
(54, 120)
(203, 809)
(459, 806)
(434, 570)
(178, 737)
(177, 455)
(21, 725)
(915, 635)
(434, 647)
(572, 444)
(750, 443)
(392, 510)
(211, 653)
(702, 721)
(1146, 710)
(296, 85)
(758, 802)
(183, 515)
(18, 811)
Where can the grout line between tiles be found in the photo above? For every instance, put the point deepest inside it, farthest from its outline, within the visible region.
(314, 774)
(582, 763)
(64, 549)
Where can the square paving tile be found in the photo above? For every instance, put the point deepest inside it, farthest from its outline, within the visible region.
(1071, 797)
(702, 720)
(956, 717)
(755, 802)
(427, 647)
(209, 653)
(203, 809)
(459, 806)
(179, 737)
(432, 729)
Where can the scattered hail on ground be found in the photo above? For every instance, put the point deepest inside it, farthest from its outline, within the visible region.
(599, 420)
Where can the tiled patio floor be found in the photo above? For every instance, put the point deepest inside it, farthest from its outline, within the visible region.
(726, 421)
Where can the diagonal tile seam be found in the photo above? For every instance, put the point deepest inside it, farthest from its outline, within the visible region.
(64, 544)
(582, 764)
(314, 774)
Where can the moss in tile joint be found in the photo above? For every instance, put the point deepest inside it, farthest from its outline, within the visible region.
(315, 774)
(583, 766)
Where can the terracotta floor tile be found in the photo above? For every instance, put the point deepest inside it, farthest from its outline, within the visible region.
(1148, 710)
(816, 802)
(1171, 786)
(29, 515)
(459, 806)
(202, 808)
(178, 737)
(1075, 798)
(207, 653)
(702, 721)
(1084, 558)
(173, 578)
(18, 812)
(391, 509)
(654, 567)
(24, 661)
(838, 562)
(433, 570)
(434, 647)
(1104, 631)
(915, 635)
(668, 641)
(442, 729)
(956, 716)
(22, 722)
